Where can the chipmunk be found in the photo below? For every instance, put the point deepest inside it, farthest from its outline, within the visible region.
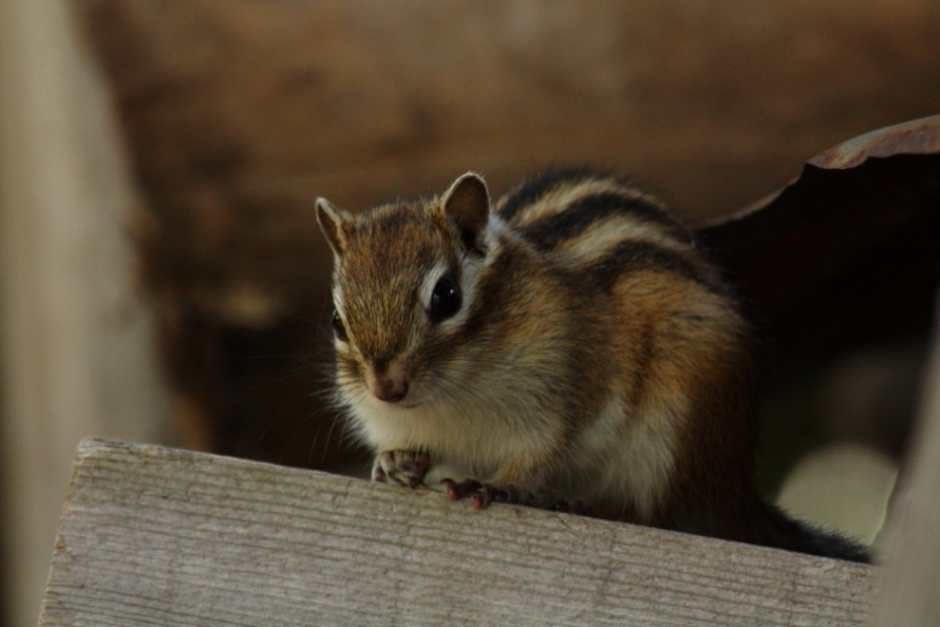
(568, 347)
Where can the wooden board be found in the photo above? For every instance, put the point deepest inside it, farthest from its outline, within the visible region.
(156, 536)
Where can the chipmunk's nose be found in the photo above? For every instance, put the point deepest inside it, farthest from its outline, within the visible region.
(387, 381)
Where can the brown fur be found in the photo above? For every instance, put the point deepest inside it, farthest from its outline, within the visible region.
(595, 354)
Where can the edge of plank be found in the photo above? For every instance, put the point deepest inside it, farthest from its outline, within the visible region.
(245, 536)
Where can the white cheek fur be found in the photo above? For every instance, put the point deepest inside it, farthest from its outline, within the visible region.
(469, 268)
(430, 281)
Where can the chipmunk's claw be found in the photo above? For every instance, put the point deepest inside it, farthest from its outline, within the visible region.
(406, 468)
(482, 493)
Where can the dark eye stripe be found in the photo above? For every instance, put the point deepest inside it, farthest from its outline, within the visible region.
(339, 329)
(446, 299)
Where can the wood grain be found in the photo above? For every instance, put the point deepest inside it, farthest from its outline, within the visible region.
(156, 536)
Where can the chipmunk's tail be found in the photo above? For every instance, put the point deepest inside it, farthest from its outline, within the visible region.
(754, 521)
(785, 532)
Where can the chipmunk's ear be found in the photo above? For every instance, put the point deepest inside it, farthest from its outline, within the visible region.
(467, 203)
(335, 225)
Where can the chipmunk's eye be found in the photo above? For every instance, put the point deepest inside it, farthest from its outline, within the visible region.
(338, 328)
(445, 299)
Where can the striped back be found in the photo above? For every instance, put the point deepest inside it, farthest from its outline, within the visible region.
(599, 226)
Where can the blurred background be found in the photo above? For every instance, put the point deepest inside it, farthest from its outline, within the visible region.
(162, 277)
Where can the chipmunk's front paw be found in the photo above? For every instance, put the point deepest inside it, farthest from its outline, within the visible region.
(482, 493)
(400, 466)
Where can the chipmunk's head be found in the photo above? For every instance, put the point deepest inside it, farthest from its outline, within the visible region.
(403, 281)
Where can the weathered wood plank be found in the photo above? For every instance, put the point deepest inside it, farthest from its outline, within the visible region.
(156, 536)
